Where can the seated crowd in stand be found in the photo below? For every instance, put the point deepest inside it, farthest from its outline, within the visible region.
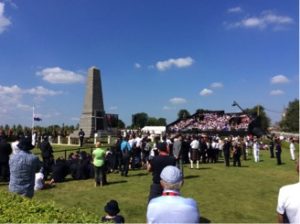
(212, 121)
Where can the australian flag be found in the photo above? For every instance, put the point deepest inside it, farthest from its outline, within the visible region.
(37, 119)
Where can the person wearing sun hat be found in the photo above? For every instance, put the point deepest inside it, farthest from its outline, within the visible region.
(112, 210)
(171, 207)
(23, 167)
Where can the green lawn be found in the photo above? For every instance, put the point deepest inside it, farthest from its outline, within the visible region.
(227, 195)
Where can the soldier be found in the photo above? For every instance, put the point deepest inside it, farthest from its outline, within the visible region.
(81, 136)
(271, 146)
(278, 151)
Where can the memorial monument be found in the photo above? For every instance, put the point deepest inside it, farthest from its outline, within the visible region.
(93, 115)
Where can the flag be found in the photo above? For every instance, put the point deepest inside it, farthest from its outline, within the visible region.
(37, 119)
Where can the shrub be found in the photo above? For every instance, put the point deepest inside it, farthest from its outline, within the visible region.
(17, 209)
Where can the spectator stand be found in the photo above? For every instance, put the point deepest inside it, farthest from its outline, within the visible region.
(212, 122)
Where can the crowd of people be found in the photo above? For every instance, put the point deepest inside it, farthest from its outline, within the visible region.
(136, 151)
(163, 156)
(212, 121)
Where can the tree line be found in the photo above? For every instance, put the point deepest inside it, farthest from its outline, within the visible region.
(53, 130)
(288, 123)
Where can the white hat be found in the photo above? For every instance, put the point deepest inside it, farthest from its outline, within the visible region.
(171, 174)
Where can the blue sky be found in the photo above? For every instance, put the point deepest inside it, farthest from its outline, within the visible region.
(155, 56)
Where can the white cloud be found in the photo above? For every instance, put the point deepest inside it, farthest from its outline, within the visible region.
(216, 85)
(177, 100)
(16, 91)
(206, 92)
(57, 75)
(4, 21)
(41, 91)
(235, 10)
(10, 90)
(179, 63)
(11, 97)
(279, 79)
(137, 65)
(276, 92)
(264, 20)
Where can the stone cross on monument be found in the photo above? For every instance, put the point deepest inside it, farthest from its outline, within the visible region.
(93, 115)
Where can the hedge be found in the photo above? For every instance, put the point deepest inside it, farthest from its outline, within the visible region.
(17, 209)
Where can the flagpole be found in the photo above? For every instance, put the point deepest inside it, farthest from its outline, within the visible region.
(32, 120)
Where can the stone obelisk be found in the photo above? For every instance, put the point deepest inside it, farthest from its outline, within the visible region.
(93, 115)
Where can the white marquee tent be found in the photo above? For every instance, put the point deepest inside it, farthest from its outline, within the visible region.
(154, 129)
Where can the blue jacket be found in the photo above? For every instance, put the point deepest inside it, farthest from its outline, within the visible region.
(23, 167)
(124, 144)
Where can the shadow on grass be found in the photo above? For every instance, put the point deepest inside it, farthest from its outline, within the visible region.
(191, 176)
(138, 174)
(244, 166)
(204, 168)
(204, 220)
(116, 182)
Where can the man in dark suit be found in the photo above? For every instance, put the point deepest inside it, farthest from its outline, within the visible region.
(156, 165)
(226, 150)
(5, 151)
(47, 155)
(271, 148)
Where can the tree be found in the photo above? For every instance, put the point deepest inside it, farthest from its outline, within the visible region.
(161, 121)
(121, 124)
(290, 122)
(261, 120)
(19, 129)
(152, 121)
(201, 111)
(183, 113)
(139, 120)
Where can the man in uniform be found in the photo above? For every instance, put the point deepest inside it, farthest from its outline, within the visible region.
(81, 136)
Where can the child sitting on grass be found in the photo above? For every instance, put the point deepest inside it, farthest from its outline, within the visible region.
(112, 210)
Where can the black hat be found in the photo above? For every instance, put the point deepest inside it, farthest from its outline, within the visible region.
(162, 146)
(25, 144)
(112, 207)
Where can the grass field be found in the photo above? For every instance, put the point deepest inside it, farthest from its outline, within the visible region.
(246, 194)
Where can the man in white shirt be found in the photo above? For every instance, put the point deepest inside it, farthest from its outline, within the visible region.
(288, 205)
(39, 180)
(292, 148)
(256, 150)
(194, 152)
(171, 207)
